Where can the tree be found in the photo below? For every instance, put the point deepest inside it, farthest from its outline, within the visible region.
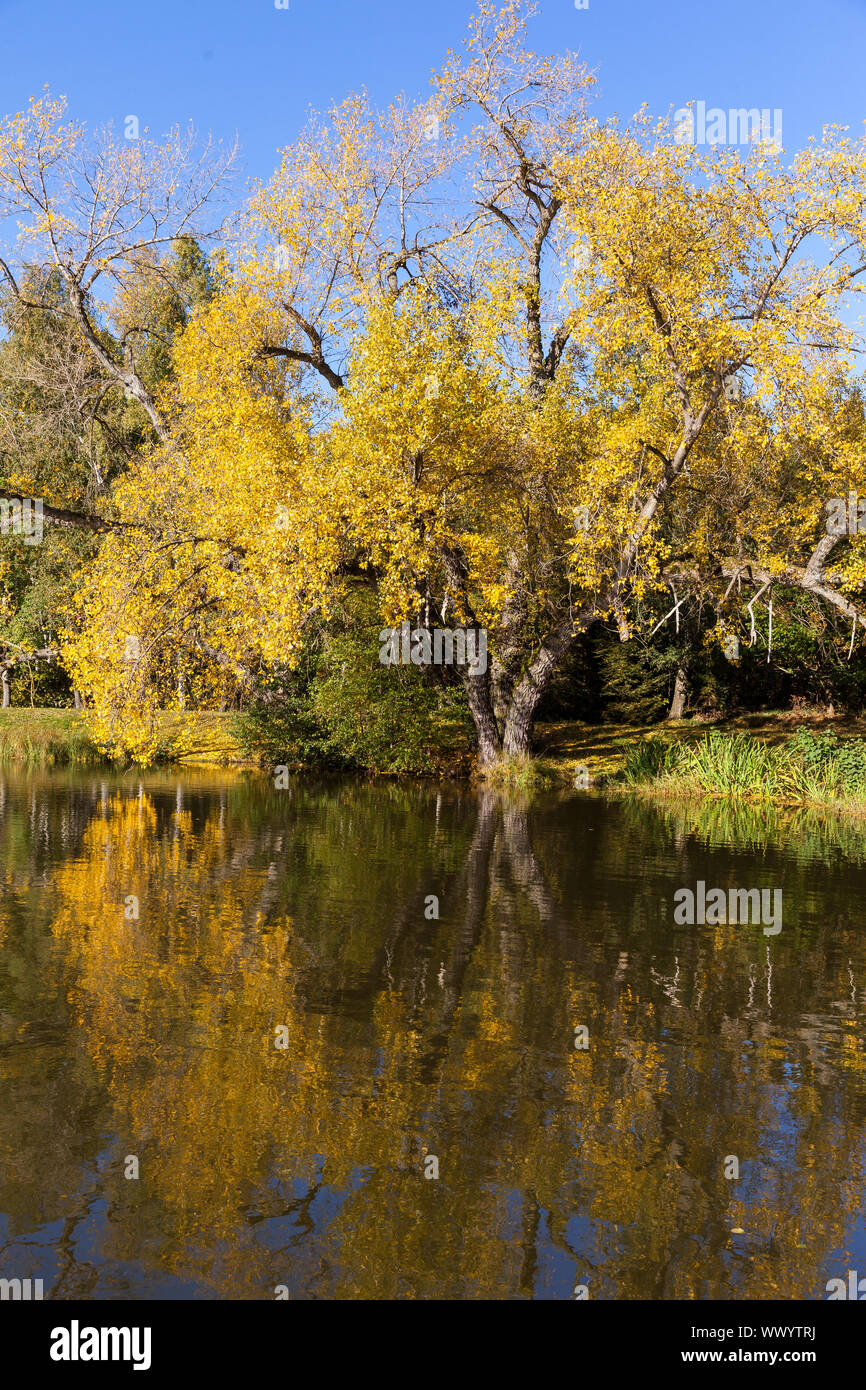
(96, 216)
(487, 352)
(68, 429)
(99, 212)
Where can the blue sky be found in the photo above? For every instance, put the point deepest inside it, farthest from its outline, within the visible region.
(242, 66)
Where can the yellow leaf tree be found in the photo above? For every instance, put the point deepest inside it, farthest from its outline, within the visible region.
(513, 366)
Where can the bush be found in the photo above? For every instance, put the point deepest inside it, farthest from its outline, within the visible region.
(342, 708)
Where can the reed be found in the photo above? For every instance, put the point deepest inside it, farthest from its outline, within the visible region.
(808, 768)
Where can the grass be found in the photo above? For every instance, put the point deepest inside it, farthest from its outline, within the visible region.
(517, 774)
(45, 738)
(808, 769)
(785, 757)
(563, 746)
(59, 737)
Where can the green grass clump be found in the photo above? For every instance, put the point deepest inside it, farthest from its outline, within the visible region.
(809, 767)
(648, 761)
(516, 774)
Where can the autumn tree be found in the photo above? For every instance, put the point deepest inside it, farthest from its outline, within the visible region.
(514, 366)
(101, 221)
(68, 429)
(100, 211)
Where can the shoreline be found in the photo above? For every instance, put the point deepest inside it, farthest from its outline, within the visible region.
(569, 754)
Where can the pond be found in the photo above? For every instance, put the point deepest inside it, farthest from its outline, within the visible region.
(352, 1040)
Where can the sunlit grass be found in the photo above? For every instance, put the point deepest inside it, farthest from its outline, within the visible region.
(517, 774)
(45, 738)
(809, 768)
(38, 738)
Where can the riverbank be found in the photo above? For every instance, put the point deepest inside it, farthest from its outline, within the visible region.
(781, 757)
(59, 737)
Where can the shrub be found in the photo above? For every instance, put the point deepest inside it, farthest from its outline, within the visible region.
(342, 708)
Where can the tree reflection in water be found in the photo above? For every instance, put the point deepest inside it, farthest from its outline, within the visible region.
(410, 1037)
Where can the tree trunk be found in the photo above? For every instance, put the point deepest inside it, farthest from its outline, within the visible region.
(527, 697)
(519, 725)
(481, 709)
(77, 700)
(681, 691)
(7, 689)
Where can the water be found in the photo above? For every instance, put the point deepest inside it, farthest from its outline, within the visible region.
(411, 1038)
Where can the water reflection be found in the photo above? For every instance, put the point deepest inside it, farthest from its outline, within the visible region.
(409, 1036)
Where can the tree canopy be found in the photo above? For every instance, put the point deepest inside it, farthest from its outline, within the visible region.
(515, 367)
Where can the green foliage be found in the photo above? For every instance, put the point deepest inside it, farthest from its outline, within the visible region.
(342, 708)
(808, 767)
(647, 760)
(637, 681)
(165, 294)
(280, 726)
(39, 582)
(838, 763)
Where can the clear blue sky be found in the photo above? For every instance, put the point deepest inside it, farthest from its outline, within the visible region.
(242, 66)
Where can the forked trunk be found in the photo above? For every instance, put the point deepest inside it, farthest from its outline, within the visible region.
(522, 707)
(530, 690)
(481, 708)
